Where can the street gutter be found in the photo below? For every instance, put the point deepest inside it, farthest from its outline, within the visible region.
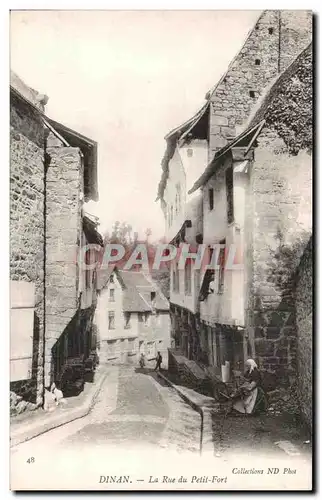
(206, 441)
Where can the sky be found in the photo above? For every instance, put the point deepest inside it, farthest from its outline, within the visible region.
(125, 79)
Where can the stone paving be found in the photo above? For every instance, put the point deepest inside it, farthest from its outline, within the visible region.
(134, 409)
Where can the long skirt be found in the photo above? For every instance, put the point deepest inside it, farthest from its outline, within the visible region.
(255, 401)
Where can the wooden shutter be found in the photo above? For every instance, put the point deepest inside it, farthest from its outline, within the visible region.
(22, 308)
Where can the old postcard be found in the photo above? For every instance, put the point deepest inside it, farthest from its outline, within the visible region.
(161, 250)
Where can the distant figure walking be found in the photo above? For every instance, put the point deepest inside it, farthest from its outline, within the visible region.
(142, 361)
(159, 361)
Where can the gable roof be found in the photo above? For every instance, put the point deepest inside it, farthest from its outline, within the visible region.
(88, 147)
(182, 131)
(89, 150)
(199, 122)
(34, 97)
(137, 288)
(246, 138)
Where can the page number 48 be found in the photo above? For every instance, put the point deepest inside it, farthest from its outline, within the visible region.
(31, 460)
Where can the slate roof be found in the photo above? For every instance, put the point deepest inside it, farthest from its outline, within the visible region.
(137, 290)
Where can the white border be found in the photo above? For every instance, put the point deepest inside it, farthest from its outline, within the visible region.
(4, 195)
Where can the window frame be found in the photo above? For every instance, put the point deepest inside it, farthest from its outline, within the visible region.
(229, 182)
(188, 277)
(127, 320)
(211, 198)
(221, 271)
(111, 317)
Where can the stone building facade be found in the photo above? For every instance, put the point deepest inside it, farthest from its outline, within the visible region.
(265, 210)
(279, 214)
(52, 174)
(256, 192)
(27, 239)
(276, 40)
(132, 317)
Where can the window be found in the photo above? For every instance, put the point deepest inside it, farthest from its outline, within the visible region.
(111, 320)
(230, 195)
(210, 263)
(251, 93)
(111, 348)
(127, 318)
(211, 278)
(257, 62)
(221, 276)
(189, 152)
(270, 31)
(153, 294)
(175, 278)
(131, 346)
(179, 196)
(211, 198)
(112, 297)
(87, 271)
(144, 318)
(112, 278)
(187, 277)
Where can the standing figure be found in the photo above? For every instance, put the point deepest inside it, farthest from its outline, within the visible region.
(159, 361)
(142, 360)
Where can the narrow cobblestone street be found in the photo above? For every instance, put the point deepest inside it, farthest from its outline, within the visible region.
(133, 409)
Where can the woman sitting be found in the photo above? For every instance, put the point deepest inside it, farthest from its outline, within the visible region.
(250, 397)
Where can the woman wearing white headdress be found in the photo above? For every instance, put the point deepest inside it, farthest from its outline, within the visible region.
(250, 396)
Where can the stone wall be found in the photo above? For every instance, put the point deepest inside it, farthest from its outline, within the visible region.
(276, 40)
(280, 228)
(279, 216)
(296, 34)
(27, 229)
(64, 180)
(304, 304)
